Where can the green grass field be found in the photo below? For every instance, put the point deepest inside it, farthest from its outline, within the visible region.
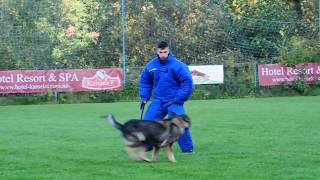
(253, 138)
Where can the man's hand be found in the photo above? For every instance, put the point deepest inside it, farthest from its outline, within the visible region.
(143, 103)
(178, 101)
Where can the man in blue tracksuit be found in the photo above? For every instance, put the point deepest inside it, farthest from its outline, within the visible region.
(170, 82)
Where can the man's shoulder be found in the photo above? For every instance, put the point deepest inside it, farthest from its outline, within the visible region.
(179, 63)
(176, 60)
(152, 61)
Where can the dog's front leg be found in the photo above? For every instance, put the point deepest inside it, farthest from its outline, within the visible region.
(168, 150)
(155, 152)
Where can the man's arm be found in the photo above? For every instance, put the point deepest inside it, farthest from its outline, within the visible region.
(145, 85)
(186, 84)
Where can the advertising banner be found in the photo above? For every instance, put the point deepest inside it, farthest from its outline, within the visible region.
(30, 81)
(276, 74)
(208, 74)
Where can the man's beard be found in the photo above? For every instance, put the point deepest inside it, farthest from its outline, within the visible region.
(163, 59)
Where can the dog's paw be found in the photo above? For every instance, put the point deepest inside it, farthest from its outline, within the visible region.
(147, 160)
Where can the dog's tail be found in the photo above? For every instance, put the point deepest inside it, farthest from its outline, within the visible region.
(112, 120)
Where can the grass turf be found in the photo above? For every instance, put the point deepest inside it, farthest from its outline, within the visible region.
(252, 138)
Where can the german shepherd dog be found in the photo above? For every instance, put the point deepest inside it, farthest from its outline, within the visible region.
(159, 133)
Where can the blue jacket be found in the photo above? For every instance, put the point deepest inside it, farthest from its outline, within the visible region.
(170, 81)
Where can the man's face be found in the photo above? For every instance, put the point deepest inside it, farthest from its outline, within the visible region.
(163, 53)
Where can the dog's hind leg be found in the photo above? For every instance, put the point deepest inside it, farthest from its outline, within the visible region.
(155, 152)
(168, 150)
(142, 154)
(131, 153)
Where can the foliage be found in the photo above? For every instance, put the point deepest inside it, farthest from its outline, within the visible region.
(260, 25)
(87, 33)
(268, 28)
(301, 50)
(27, 35)
(54, 34)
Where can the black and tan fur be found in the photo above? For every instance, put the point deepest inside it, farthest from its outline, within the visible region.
(158, 133)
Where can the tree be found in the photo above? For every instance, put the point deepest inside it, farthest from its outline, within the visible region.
(27, 33)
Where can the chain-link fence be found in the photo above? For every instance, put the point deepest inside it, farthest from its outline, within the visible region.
(72, 34)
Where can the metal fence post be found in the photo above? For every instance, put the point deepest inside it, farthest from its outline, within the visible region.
(256, 85)
(123, 27)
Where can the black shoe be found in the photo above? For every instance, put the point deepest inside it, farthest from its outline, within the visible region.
(187, 151)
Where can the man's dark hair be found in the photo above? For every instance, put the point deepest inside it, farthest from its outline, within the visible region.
(162, 45)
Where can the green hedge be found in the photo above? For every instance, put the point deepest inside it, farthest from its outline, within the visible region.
(232, 88)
